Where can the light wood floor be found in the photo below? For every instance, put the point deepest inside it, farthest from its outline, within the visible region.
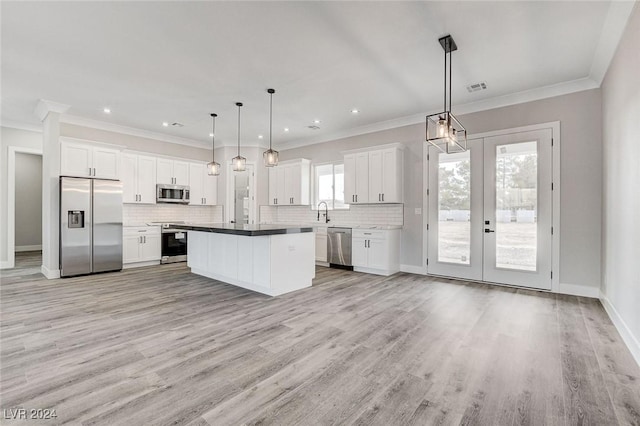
(159, 345)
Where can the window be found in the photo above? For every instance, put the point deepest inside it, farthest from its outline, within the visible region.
(329, 186)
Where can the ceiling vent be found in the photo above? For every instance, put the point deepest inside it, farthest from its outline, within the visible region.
(176, 124)
(477, 87)
(312, 127)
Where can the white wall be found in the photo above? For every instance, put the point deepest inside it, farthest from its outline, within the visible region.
(28, 201)
(11, 137)
(621, 141)
(581, 181)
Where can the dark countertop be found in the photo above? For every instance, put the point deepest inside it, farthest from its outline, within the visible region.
(245, 230)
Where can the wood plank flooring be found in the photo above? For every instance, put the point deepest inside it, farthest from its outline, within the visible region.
(162, 346)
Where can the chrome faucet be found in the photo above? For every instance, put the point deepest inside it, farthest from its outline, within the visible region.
(326, 211)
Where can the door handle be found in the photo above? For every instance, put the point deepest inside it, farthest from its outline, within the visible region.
(487, 230)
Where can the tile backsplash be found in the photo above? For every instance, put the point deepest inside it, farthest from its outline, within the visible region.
(366, 214)
(139, 214)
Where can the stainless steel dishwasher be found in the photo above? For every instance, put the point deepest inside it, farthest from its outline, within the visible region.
(339, 247)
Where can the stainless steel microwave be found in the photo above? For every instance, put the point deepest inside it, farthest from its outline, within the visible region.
(172, 194)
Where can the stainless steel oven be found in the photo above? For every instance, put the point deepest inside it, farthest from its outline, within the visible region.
(172, 194)
(174, 245)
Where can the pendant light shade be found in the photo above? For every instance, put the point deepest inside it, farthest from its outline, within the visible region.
(213, 168)
(444, 131)
(270, 156)
(239, 162)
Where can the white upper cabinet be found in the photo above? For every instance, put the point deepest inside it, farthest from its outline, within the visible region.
(138, 179)
(84, 160)
(203, 188)
(385, 179)
(356, 178)
(289, 183)
(172, 172)
(373, 176)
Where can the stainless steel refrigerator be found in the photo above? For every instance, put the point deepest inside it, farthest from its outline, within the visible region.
(90, 226)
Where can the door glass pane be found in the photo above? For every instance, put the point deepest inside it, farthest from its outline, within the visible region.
(516, 206)
(454, 203)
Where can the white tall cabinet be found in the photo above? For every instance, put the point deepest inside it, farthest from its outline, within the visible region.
(85, 160)
(138, 179)
(373, 176)
(289, 183)
(172, 172)
(203, 188)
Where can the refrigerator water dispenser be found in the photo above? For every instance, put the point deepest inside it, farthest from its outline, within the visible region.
(76, 219)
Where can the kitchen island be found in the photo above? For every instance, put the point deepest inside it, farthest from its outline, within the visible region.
(269, 259)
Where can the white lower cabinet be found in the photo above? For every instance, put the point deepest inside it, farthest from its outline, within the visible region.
(376, 251)
(141, 246)
(321, 245)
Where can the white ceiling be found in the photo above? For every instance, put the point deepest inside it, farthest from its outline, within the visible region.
(178, 61)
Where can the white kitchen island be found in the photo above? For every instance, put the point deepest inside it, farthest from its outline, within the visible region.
(269, 259)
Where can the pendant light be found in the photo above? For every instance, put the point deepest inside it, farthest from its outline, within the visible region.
(444, 131)
(239, 162)
(270, 156)
(213, 168)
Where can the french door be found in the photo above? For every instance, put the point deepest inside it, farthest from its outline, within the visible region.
(490, 210)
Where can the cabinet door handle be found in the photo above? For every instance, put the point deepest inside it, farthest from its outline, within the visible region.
(356, 198)
(382, 197)
(205, 201)
(145, 239)
(94, 171)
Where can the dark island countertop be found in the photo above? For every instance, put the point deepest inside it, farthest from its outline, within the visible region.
(240, 229)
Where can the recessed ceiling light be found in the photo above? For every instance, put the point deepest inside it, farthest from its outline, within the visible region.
(286, 129)
(355, 111)
(165, 124)
(316, 121)
(107, 110)
(260, 136)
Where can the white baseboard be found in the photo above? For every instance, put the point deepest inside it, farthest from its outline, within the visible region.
(413, 269)
(28, 248)
(579, 290)
(631, 341)
(5, 264)
(51, 274)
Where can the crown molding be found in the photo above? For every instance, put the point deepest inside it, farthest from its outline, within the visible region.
(614, 25)
(44, 107)
(539, 93)
(147, 134)
(21, 126)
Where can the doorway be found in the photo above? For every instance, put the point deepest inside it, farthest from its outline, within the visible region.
(24, 207)
(241, 207)
(490, 215)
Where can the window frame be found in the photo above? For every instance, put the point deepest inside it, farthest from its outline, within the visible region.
(314, 186)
